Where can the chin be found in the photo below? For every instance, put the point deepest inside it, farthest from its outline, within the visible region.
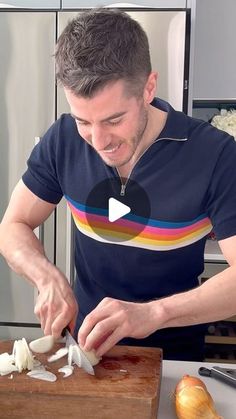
(113, 162)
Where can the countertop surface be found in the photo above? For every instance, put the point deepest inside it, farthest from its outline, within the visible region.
(222, 394)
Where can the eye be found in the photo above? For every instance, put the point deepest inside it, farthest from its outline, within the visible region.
(115, 121)
(81, 123)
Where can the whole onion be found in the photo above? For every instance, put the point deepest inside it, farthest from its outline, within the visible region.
(193, 401)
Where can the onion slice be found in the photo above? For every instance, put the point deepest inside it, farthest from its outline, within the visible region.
(74, 355)
(22, 356)
(67, 370)
(42, 375)
(42, 345)
(58, 354)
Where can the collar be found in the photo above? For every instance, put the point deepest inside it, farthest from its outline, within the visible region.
(176, 126)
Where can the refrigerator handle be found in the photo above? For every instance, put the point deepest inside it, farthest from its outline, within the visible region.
(120, 4)
(39, 231)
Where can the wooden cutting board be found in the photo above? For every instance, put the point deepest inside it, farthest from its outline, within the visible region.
(126, 385)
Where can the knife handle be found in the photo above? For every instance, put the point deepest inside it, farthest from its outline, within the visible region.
(63, 333)
(224, 374)
(204, 371)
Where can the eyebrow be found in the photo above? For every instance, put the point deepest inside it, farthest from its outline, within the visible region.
(114, 116)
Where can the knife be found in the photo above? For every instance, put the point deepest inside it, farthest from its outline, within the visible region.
(78, 356)
(228, 375)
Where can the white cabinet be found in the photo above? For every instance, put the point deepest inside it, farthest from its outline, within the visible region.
(215, 50)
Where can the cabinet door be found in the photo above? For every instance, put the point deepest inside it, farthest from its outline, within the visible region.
(215, 50)
(27, 109)
(166, 4)
(31, 4)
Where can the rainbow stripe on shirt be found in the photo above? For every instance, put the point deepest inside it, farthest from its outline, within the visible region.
(155, 235)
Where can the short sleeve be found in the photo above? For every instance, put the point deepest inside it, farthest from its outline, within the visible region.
(41, 175)
(221, 205)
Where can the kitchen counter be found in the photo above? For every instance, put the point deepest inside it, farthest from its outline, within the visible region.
(222, 394)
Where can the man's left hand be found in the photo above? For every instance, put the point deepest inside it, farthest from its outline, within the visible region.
(112, 320)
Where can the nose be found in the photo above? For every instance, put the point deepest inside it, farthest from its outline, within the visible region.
(99, 138)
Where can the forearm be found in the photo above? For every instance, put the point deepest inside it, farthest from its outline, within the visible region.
(56, 306)
(25, 254)
(214, 300)
(113, 319)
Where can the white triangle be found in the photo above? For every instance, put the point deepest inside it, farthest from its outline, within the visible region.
(116, 209)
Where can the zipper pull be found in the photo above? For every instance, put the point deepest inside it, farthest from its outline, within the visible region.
(122, 191)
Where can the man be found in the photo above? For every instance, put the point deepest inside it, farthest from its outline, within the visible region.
(144, 290)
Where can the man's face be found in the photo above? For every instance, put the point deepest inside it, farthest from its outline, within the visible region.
(112, 122)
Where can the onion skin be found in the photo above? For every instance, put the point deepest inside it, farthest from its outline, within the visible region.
(193, 401)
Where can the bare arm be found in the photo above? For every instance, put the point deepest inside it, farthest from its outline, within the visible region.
(213, 300)
(56, 305)
(112, 319)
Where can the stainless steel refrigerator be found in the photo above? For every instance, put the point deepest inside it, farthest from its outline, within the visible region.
(29, 104)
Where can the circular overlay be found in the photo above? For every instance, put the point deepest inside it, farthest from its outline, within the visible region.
(124, 193)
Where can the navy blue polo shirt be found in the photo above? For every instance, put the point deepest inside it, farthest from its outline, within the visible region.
(189, 176)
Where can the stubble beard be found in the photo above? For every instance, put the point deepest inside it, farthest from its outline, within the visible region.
(133, 142)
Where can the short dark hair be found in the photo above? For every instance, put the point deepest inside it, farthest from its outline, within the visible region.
(100, 46)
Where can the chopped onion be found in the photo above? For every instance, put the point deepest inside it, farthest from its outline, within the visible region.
(7, 364)
(42, 375)
(23, 358)
(37, 365)
(59, 354)
(43, 344)
(67, 370)
(20, 359)
(74, 355)
(70, 354)
(92, 358)
(28, 355)
(78, 356)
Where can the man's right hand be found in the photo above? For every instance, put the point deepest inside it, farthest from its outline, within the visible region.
(56, 307)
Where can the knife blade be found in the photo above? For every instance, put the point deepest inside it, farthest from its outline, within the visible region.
(69, 339)
(78, 356)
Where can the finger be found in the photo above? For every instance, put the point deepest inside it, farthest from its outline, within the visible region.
(105, 309)
(48, 324)
(72, 324)
(100, 332)
(58, 324)
(42, 320)
(90, 321)
(40, 315)
(111, 341)
(100, 341)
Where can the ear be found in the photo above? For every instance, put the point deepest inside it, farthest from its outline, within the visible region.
(150, 87)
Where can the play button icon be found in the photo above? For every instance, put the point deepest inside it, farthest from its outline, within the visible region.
(115, 215)
(117, 210)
